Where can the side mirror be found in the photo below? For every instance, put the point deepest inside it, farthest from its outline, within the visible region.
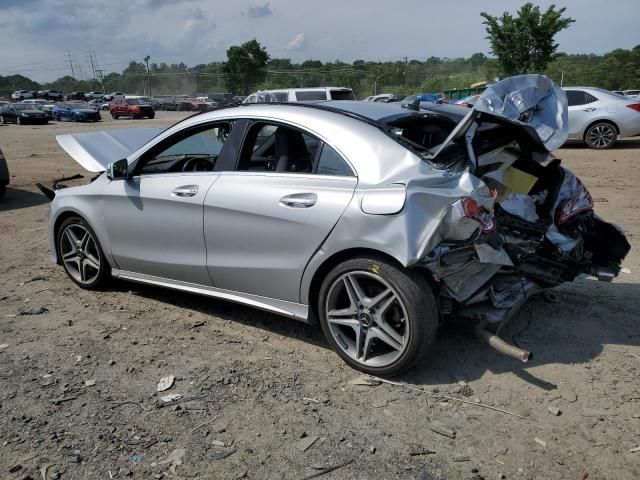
(118, 170)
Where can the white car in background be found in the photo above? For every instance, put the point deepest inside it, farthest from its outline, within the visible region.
(311, 94)
(22, 94)
(598, 117)
(632, 93)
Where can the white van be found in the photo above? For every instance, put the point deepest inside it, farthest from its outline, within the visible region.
(313, 94)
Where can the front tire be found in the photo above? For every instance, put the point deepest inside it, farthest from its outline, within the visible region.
(601, 136)
(81, 254)
(380, 318)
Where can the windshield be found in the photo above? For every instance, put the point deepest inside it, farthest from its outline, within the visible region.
(23, 106)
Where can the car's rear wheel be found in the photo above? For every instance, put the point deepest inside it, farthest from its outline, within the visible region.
(601, 136)
(81, 254)
(378, 317)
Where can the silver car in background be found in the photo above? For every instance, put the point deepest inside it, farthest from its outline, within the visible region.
(378, 221)
(598, 117)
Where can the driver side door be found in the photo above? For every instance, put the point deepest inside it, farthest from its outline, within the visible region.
(154, 219)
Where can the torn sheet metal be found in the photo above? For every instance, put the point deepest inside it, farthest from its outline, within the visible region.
(533, 101)
(95, 150)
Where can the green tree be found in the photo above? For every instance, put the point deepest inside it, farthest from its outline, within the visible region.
(525, 43)
(246, 66)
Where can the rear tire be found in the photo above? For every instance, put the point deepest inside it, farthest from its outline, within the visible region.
(81, 254)
(601, 136)
(380, 318)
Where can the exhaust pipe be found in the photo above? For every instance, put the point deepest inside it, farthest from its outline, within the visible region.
(500, 345)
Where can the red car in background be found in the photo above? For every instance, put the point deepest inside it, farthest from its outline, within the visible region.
(132, 107)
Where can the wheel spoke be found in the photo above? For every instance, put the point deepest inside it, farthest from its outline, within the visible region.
(379, 298)
(71, 253)
(389, 330)
(92, 262)
(367, 345)
(356, 295)
(386, 338)
(71, 237)
(81, 266)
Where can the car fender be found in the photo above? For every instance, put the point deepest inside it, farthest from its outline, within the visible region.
(86, 202)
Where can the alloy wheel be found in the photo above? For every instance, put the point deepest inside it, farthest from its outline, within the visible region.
(601, 136)
(80, 253)
(367, 318)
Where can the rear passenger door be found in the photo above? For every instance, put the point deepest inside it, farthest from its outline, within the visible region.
(582, 109)
(264, 220)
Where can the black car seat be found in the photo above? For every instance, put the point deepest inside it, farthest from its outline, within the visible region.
(292, 154)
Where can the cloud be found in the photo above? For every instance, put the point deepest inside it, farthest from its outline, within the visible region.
(199, 21)
(299, 42)
(258, 11)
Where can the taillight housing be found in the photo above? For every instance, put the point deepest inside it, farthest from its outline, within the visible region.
(579, 202)
(478, 213)
(634, 106)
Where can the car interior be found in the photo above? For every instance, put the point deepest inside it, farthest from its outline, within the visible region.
(276, 148)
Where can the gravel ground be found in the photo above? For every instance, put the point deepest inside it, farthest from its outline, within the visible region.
(265, 397)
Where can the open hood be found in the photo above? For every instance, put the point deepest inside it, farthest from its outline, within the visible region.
(95, 150)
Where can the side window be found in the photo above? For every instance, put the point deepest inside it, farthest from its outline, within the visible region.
(277, 148)
(330, 163)
(579, 97)
(195, 152)
(310, 95)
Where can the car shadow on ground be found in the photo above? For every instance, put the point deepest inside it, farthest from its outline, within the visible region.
(587, 316)
(16, 199)
(621, 144)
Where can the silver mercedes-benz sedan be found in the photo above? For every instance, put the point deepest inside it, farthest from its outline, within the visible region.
(378, 221)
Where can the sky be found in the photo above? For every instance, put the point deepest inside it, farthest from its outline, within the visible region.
(38, 35)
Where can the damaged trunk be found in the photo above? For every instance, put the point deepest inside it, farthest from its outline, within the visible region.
(535, 224)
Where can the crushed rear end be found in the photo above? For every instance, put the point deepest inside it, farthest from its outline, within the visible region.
(529, 226)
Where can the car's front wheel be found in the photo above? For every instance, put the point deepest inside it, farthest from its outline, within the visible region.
(601, 136)
(379, 317)
(81, 254)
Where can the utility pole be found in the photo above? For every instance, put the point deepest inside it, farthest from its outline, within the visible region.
(406, 70)
(68, 55)
(93, 67)
(146, 59)
(101, 77)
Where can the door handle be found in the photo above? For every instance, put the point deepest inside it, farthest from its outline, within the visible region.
(589, 109)
(185, 191)
(299, 200)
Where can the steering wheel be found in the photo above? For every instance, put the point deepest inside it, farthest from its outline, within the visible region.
(197, 164)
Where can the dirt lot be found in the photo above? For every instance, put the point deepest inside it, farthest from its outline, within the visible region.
(79, 369)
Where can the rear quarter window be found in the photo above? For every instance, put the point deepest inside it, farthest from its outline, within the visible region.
(342, 95)
(308, 95)
(330, 163)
